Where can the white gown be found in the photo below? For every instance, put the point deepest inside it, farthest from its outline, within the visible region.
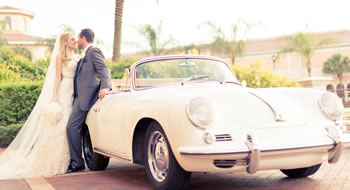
(50, 154)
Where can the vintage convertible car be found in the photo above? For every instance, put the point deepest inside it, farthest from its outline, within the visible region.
(183, 114)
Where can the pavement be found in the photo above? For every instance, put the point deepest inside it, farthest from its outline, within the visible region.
(123, 176)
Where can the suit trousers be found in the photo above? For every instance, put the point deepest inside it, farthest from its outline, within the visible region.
(74, 134)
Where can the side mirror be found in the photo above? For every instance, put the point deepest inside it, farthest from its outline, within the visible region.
(244, 83)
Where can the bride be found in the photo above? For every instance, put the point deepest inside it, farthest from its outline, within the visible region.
(41, 147)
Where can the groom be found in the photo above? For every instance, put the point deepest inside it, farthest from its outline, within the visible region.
(92, 80)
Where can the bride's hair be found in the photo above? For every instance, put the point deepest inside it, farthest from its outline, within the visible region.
(64, 52)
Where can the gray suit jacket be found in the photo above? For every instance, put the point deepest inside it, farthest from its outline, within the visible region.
(92, 74)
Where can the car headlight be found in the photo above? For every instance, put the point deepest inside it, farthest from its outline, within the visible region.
(200, 111)
(331, 106)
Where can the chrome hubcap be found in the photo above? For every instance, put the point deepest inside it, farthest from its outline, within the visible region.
(158, 158)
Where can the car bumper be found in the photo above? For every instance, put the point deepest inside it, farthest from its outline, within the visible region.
(253, 157)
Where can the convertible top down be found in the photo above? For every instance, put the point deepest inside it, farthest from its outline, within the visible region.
(188, 113)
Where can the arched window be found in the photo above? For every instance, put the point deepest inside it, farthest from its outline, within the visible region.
(8, 23)
(330, 88)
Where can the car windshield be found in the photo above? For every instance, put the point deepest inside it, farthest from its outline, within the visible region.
(172, 71)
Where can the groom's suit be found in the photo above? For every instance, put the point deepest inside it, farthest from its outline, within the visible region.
(92, 74)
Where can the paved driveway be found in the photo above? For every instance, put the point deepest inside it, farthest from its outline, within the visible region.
(128, 176)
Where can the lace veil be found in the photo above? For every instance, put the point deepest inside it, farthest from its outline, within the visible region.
(14, 157)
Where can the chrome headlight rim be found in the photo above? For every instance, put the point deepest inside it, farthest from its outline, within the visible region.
(339, 105)
(193, 120)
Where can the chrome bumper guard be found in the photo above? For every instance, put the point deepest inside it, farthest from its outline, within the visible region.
(335, 133)
(254, 155)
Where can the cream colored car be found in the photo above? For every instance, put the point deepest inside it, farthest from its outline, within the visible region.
(183, 114)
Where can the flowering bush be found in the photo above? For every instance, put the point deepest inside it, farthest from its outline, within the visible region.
(257, 76)
(14, 67)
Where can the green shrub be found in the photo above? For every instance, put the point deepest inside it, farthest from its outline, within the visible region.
(22, 51)
(18, 68)
(117, 68)
(40, 67)
(7, 74)
(258, 77)
(17, 101)
(8, 133)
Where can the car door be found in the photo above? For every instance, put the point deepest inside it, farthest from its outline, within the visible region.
(112, 132)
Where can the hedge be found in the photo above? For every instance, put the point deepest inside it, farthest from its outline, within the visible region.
(117, 68)
(17, 101)
(8, 133)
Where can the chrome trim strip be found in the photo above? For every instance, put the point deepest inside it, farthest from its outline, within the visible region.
(111, 154)
(325, 147)
(278, 115)
(212, 153)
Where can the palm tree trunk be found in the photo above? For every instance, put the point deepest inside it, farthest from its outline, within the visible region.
(309, 67)
(119, 4)
(340, 76)
(233, 57)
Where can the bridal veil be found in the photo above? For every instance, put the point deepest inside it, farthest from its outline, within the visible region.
(14, 158)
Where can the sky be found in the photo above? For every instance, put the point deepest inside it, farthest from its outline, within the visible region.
(181, 18)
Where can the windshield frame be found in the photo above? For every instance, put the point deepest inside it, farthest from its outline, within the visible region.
(172, 57)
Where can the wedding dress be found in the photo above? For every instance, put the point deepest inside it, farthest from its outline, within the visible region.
(41, 147)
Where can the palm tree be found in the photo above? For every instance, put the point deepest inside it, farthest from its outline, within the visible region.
(118, 17)
(119, 4)
(232, 47)
(303, 44)
(219, 41)
(66, 28)
(50, 41)
(152, 35)
(337, 65)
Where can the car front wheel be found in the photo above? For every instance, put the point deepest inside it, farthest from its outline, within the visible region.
(93, 160)
(162, 169)
(301, 172)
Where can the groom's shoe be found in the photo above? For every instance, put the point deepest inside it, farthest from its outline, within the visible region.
(72, 169)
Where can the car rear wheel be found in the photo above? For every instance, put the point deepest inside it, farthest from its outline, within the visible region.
(93, 160)
(162, 169)
(301, 172)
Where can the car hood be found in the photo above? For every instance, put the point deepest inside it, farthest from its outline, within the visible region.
(254, 108)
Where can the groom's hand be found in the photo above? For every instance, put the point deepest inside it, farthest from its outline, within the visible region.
(103, 93)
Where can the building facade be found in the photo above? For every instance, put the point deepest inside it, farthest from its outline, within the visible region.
(291, 64)
(17, 31)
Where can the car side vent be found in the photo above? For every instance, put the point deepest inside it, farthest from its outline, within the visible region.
(224, 163)
(223, 137)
